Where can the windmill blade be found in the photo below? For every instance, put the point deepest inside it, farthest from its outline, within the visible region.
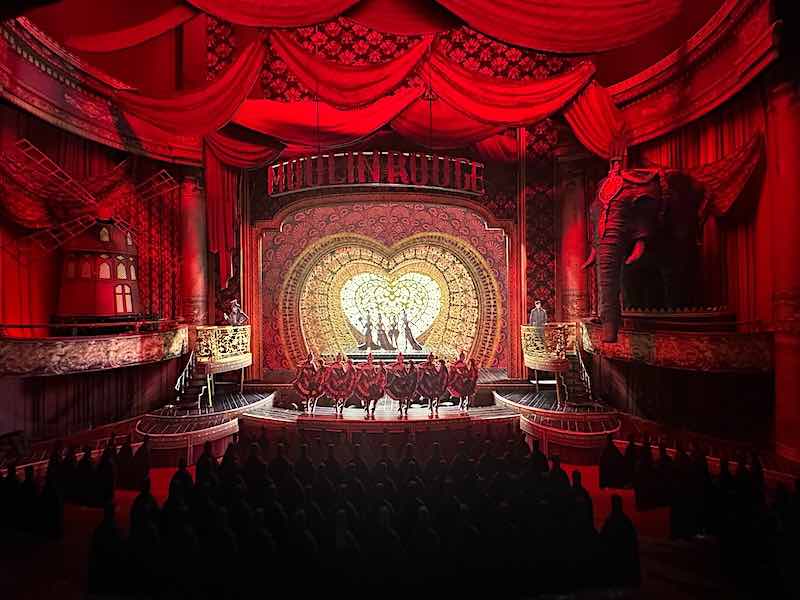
(37, 173)
(158, 185)
(52, 238)
(102, 184)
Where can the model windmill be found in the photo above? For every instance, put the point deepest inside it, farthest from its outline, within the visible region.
(94, 225)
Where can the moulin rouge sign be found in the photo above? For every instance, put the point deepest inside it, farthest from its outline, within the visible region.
(393, 169)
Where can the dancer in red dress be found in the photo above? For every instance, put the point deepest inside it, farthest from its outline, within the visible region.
(401, 383)
(370, 385)
(339, 382)
(307, 382)
(432, 383)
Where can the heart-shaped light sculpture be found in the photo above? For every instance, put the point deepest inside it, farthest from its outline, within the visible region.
(378, 295)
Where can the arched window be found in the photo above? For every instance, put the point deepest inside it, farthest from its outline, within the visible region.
(86, 269)
(133, 271)
(104, 271)
(104, 235)
(121, 272)
(129, 239)
(123, 300)
(69, 269)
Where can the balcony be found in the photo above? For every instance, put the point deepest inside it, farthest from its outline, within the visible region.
(546, 349)
(222, 348)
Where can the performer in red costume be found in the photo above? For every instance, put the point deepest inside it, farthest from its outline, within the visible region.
(307, 382)
(339, 382)
(463, 380)
(432, 383)
(401, 383)
(370, 385)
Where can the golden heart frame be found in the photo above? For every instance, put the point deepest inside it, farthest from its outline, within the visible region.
(310, 315)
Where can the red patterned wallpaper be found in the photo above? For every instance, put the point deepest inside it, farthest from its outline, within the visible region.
(540, 247)
(388, 222)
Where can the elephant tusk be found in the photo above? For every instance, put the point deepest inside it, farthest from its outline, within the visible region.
(590, 261)
(636, 253)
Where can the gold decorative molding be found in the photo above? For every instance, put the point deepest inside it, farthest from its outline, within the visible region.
(545, 349)
(222, 348)
(64, 355)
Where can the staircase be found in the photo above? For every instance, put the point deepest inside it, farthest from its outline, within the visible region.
(577, 391)
(191, 385)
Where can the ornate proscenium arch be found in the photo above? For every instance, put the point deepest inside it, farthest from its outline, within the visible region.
(311, 316)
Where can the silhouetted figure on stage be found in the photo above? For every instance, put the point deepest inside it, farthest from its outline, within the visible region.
(631, 457)
(432, 383)
(559, 482)
(612, 466)
(207, 469)
(394, 332)
(368, 342)
(383, 339)
(582, 498)
(106, 476)
(401, 383)
(621, 546)
(370, 385)
(537, 460)
(411, 342)
(85, 483)
(125, 466)
(140, 467)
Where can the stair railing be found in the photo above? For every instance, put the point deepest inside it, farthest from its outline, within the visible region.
(183, 378)
(583, 371)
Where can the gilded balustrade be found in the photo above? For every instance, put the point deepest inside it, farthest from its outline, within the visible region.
(222, 348)
(545, 349)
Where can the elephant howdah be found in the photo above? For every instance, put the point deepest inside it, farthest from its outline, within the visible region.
(645, 242)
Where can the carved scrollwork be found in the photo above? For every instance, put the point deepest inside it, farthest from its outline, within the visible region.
(220, 343)
(545, 349)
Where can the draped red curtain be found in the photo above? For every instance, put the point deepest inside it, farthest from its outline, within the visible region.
(203, 111)
(736, 249)
(498, 148)
(225, 156)
(345, 85)
(111, 41)
(503, 102)
(318, 124)
(410, 17)
(571, 26)
(274, 13)
(595, 119)
(436, 124)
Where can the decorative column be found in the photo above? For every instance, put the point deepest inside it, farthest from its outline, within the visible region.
(517, 265)
(574, 248)
(783, 156)
(194, 252)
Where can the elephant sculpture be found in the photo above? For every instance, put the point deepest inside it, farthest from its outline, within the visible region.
(645, 242)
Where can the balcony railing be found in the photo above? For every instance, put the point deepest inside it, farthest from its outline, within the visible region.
(545, 348)
(222, 348)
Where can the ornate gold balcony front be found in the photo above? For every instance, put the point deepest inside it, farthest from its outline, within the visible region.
(222, 348)
(545, 349)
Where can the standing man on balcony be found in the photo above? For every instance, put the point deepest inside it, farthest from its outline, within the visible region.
(538, 317)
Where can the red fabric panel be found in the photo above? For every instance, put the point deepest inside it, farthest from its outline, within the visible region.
(498, 148)
(274, 13)
(572, 26)
(595, 119)
(203, 111)
(345, 85)
(436, 124)
(500, 102)
(317, 124)
(235, 151)
(403, 17)
(222, 184)
(134, 35)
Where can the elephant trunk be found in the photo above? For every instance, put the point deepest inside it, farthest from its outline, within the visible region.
(610, 256)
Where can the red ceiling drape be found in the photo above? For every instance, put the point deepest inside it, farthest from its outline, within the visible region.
(110, 41)
(318, 124)
(199, 112)
(595, 120)
(502, 102)
(409, 17)
(572, 26)
(274, 13)
(500, 148)
(436, 124)
(345, 85)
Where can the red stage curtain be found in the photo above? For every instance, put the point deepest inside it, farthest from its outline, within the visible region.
(132, 36)
(318, 124)
(203, 111)
(403, 17)
(224, 156)
(500, 148)
(438, 125)
(595, 119)
(274, 13)
(502, 102)
(572, 26)
(345, 85)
